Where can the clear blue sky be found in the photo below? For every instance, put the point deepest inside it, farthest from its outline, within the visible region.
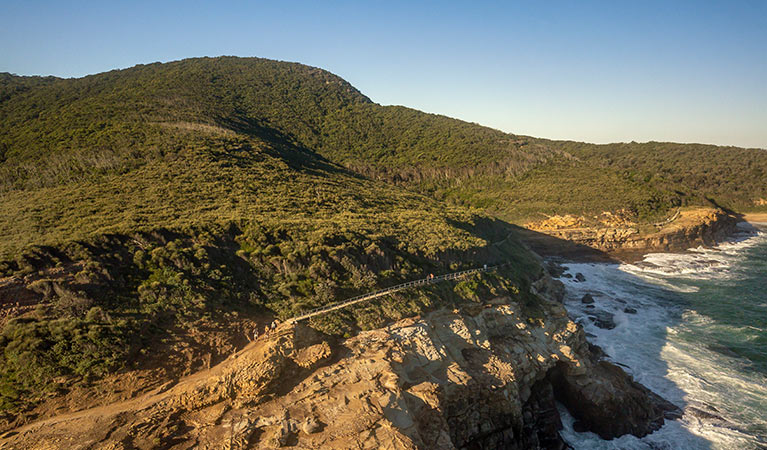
(687, 71)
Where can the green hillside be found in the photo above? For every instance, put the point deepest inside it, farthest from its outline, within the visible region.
(730, 176)
(136, 210)
(225, 226)
(135, 109)
(140, 206)
(55, 131)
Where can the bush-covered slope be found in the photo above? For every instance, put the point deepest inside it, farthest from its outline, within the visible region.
(140, 206)
(733, 177)
(55, 131)
(120, 244)
(132, 110)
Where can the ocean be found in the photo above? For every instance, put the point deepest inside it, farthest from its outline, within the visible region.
(693, 328)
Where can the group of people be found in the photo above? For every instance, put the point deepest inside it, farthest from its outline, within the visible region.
(267, 329)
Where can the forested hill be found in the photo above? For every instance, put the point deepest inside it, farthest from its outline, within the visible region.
(135, 108)
(151, 218)
(55, 130)
(732, 176)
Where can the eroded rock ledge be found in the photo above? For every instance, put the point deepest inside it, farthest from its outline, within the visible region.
(692, 228)
(486, 376)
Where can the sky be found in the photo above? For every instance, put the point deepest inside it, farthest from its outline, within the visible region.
(683, 71)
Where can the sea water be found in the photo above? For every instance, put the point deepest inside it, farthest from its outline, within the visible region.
(698, 338)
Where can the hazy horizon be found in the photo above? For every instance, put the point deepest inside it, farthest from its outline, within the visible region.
(591, 72)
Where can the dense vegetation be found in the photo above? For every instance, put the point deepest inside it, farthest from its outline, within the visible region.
(730, 176)
(140, 203)
(197, 224)
(53, 131)
(108, 115)
(105, 300)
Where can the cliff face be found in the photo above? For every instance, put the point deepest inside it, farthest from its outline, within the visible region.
(690, 229)
(485, 376)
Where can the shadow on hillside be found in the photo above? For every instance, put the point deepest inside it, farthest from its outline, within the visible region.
(496, 231)
(738, 216)
(552, 247)
(287, 148)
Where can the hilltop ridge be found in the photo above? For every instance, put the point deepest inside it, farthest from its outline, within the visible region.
(112, 121)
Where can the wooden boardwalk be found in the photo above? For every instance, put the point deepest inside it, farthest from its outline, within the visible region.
(387, 291)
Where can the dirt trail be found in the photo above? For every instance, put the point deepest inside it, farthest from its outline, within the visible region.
(197, 390)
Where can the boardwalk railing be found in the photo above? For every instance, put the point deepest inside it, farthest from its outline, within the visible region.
(386, 291)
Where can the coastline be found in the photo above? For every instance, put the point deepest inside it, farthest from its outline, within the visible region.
(700, 227)
(702, 317)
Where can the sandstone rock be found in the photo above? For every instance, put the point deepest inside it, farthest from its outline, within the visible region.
(703, 226)
(313, 356)
(555, 269)
(587, 299)
(447, 380)
(549, 288)
(579, 277)
(311, 425)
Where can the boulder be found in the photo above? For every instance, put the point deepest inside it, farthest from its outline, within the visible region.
(311, 425)
(607, 401)
(603, 320)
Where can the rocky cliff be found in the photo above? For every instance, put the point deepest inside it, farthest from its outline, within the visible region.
(690, 228)
(483, 376)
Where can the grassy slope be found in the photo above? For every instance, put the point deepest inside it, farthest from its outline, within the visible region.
(57, 130)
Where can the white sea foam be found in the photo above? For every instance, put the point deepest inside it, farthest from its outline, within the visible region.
(657, 345)
(698, 263)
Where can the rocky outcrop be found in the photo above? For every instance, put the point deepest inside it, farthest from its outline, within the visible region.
(480, 377)
(591, 398)
(691, 228)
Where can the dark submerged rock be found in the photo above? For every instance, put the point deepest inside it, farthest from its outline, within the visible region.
(555, 269)
(603, 320)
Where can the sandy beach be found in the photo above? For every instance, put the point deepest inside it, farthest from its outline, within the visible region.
(755, 217)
